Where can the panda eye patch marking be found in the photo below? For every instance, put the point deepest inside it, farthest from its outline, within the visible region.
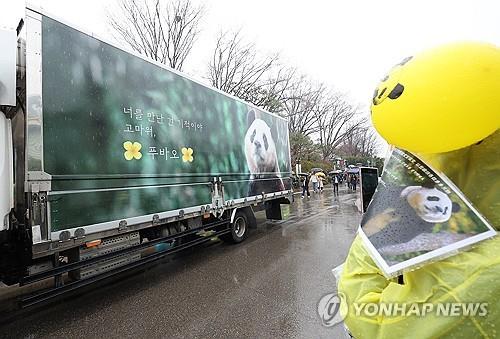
(375, 97)
(252, 137)
(405, 60)
(266, 144)
(396, 92)
(382, 92)
(432, 198)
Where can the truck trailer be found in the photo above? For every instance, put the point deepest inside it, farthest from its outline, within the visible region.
(109, 160)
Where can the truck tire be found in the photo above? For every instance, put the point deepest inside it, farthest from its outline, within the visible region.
(239, 228)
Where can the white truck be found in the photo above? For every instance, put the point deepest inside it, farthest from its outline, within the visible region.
(109, 160)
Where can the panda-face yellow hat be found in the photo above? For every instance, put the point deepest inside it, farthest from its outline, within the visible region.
(440, 100)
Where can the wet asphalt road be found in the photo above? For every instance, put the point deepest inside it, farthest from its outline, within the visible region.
(266, 287)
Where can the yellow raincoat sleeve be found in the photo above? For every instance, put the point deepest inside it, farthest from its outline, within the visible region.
(472, 276)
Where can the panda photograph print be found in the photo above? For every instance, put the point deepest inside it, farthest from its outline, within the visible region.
(418, 216)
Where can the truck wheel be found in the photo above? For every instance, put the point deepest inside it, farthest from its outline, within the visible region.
(239, 229)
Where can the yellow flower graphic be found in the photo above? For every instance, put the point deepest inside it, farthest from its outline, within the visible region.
(132, 150)
(187, 154)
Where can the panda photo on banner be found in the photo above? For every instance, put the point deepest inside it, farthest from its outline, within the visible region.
(415, 210)
(261, 155)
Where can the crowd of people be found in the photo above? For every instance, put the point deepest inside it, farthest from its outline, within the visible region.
(318, 180)
(317, 183)
(352, 181)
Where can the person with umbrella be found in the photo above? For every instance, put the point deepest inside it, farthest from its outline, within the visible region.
(335, 184)
(314, 180)
(321, 177)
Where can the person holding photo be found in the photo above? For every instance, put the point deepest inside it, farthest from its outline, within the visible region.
(443, 105)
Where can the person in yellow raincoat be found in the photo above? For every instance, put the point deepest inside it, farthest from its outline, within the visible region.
(460, 83)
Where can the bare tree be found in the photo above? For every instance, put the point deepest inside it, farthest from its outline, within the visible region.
(238, 69)
(362, 142)
(336, 120)
(273, 90)
(163, 31)
(368, 143)
(302, 97)
(313, 110)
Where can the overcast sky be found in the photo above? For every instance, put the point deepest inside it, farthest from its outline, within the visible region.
(347, 44)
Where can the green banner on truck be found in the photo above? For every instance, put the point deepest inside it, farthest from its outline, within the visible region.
(124, 137)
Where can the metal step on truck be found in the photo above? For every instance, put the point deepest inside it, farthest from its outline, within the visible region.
(110, 160)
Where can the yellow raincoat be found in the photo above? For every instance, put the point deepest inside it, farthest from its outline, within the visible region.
(471, 276)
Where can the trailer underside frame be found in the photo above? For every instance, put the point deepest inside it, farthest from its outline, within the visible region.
(60, 287)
